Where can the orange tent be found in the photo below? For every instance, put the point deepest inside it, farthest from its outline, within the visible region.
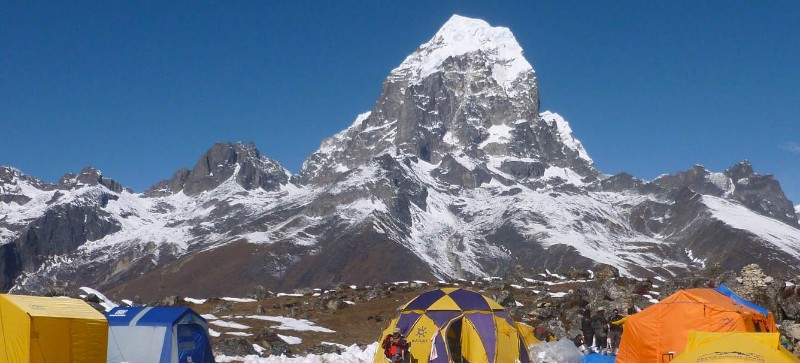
(658, 333)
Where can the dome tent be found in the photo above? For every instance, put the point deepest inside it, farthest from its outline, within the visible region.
(661, 330)
(455, 324)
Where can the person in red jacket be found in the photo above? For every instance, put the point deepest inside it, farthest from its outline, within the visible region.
(395, 346)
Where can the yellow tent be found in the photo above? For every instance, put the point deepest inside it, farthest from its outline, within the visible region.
(734, 347)
(37, 329)
(455, 325)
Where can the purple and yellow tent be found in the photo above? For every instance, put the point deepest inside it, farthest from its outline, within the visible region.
(454, 325)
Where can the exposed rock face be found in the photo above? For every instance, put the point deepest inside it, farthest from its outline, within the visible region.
(761, 193)
(59, 229)
(454, 173)
(241, 162)
(458, 96)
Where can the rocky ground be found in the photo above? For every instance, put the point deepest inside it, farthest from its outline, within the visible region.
(348, 315)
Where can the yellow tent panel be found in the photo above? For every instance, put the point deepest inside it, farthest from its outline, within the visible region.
(445, 303)
(734, 347)
(472, 349)
(526, 334)
(37, 329)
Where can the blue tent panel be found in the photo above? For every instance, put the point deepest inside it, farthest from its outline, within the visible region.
(724, 290)
(162, 316)
(598, 358)
(193, 343)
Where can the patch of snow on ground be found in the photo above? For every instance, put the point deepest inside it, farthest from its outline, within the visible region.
(290, 339)
(195, 301)
(209, 317)
(229, 324)
(259, 349)
(290, 323)
(238, 334)
(352, 354)
(237, 299)
(335, 345)
(213, 333)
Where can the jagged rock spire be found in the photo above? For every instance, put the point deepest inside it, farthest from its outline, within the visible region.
(469, 93)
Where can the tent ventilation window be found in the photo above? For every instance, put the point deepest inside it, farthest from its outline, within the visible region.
(186, 332)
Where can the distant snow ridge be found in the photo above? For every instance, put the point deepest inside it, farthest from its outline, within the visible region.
(461, 35)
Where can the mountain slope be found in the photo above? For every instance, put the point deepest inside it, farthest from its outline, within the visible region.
(454, 173)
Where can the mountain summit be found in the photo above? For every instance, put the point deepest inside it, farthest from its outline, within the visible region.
(454, 173)
(467, 96)
(461, 36)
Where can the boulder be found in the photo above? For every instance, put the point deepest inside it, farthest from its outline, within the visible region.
(605, 272)
(234, 347)
(271, 342)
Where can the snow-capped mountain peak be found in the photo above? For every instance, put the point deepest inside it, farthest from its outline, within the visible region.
(453, 173)
(461, 35)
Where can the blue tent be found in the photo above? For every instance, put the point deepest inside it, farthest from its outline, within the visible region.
(157, 334)
(724, 290)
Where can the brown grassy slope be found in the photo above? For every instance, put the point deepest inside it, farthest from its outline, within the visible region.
(360, 323)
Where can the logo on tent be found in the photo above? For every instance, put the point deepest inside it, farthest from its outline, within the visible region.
(120, 312)
(739, 356)
(422, 332)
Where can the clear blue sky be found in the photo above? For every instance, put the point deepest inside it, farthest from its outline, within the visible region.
(139, 89)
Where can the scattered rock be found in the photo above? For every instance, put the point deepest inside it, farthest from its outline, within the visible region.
(234, 347)
(605, 272)
(169, 301)
(92, 298)
(505, 298)
(221, 307)
(334, 305)
(259, 293)
(324, 349)
(271, 342)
